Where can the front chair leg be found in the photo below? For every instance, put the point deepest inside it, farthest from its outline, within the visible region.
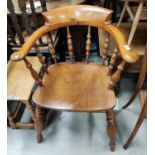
(39, 123)
(111, 128)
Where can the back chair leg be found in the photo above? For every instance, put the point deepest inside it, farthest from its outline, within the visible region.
(111, 129)
(10, 118)
(138, 124)
(39, 123)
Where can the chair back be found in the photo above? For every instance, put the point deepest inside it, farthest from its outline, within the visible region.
(81, 15)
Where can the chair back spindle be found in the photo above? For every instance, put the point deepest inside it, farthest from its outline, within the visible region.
(36, 22)
(34, 13)
(34, 74)
(112, 61)
(116, 76)
(15, 21)
(70, 45)
(41, 59)
(88, 44)
(105, 48)
(26, 23)
(82, 16)
(51, 49)
(43, 5)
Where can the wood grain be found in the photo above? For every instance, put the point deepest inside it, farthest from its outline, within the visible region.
(19, 81)
(76, 87)
(79, 15)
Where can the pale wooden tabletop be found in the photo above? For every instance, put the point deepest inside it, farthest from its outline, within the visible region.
(19, 79)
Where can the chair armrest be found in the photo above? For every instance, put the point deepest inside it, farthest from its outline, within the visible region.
(125, 51)
(24, 50)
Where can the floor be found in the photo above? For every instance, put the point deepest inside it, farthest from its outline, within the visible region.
(83, 133)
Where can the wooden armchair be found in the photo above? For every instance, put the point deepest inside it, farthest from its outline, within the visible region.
(77, 86)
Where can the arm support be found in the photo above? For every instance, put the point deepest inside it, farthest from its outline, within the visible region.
(126, 53)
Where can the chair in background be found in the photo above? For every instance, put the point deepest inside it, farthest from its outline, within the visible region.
(23, 21)
(77, 86)
(140, 14)
(143, 99)
(19, 83)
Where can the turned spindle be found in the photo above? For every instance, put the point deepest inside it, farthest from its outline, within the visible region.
(116, 76)
(112, 61)
(51, 48)
(105, 48)
(41, 59)
(88, 43)
(70, 45)
(34, 74)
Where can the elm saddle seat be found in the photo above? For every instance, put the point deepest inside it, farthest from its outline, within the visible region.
(76, 87)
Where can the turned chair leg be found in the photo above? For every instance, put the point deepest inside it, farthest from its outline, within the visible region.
(111, 129)
(39, 123)
(138, 124)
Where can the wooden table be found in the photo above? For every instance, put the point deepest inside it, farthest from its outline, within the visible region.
(19, 88)
(49, 4)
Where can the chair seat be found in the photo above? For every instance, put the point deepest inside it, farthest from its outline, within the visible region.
(75, 87)
(19, 79)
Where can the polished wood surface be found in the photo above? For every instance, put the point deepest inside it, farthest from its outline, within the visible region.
(33, 72)
(78, 15)
(113, 61)
(19, 81)
(70, 45)
(88, 44)
(116, 75)
(105, 46)
(76, 87)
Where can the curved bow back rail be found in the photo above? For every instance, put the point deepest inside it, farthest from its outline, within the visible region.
(83, 15)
